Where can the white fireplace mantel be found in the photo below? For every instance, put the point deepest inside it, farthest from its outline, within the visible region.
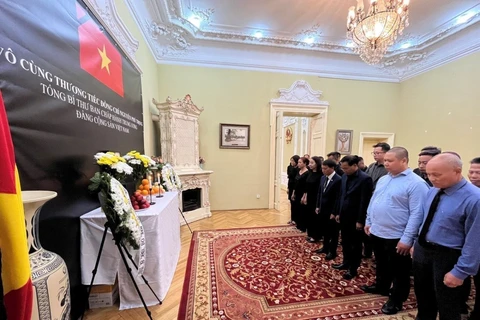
(179, 142)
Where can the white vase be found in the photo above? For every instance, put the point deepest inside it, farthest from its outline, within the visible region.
(51, 285)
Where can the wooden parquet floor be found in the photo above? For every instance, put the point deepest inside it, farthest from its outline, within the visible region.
(219, 220)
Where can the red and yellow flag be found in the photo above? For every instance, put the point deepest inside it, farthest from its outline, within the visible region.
(99, 57)
(17, 284)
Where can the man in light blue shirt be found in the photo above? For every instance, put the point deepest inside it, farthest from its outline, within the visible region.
(393, 220)
(447, 250)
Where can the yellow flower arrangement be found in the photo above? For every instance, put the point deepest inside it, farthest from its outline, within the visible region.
(113, 164)
(139, 162)
(146, 161)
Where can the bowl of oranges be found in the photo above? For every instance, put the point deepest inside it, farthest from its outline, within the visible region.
(145, 186)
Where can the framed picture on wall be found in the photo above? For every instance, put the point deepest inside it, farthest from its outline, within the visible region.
(343, 143)
(234, 136)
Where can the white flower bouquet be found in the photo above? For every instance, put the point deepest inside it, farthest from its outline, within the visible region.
(113, 164)
(171, 180)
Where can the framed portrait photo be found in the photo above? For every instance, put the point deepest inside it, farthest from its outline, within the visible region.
(234, 136)
(343, 143)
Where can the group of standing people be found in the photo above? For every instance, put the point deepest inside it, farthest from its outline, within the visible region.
(427, 219)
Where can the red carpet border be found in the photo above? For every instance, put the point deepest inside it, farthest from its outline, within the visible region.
(273, 273)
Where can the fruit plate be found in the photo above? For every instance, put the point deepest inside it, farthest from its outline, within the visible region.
(138, 210)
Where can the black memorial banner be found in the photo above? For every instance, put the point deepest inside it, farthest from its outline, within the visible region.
(69, 92)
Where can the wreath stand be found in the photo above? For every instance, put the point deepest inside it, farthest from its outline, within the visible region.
(122, 249)
(186, 222)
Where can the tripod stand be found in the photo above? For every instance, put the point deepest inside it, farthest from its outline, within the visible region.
(122, 250)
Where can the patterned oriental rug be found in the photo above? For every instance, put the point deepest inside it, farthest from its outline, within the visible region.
(273, 273)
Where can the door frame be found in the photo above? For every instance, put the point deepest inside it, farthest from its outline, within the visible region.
(309, 110)
(299, 98)
(375, 135)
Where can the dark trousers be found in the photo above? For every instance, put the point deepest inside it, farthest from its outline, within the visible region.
(351, 244)
(330, 230)
(392, 268)
(430, 264)
(314, 229)
(367, 245)
(475, 315)
(300, 215)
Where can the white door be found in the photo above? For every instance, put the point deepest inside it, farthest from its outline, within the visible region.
(278, 159)
(317, 135)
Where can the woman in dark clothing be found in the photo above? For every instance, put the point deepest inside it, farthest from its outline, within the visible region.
(299, 195)
(313, 183)
(292, 172)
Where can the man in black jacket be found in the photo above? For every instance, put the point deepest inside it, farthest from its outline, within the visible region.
(328, 194)
(425, 155)
(335, 156)
(351, 211)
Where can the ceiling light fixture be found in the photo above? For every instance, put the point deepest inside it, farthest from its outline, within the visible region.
(258, 34)
(465, 17)
(196, 21)
(373, 32)
(309, 40)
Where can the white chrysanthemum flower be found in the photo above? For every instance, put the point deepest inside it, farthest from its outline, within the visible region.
(99, 155)
(122, 167)
(135, 161)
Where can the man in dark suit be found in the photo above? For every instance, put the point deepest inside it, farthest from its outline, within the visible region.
(328, 193)
(425, 155)
(335, 156)
(351, 211)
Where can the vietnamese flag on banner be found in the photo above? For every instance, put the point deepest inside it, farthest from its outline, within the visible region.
(17, 284)
(99, 57)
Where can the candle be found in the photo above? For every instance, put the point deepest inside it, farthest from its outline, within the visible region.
(158, 178)
(150, 179)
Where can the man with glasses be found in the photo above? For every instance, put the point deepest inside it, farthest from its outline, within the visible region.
(377, 170)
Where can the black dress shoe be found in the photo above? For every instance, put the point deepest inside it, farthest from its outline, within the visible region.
(322, 250)
(330, 257)
(390, 307)
(349, 275)
(475, 314)
(373, 289)
(340, 266)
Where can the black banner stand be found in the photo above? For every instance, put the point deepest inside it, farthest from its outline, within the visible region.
(121, 247)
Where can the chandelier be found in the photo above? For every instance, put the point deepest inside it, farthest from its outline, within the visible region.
(374, 31)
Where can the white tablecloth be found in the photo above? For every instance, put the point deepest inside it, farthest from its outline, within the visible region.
(162, 235)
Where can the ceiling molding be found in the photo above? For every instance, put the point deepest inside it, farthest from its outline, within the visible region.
(174, 39)
(106, 12)
(299, 93)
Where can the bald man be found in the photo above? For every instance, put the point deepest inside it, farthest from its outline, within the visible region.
(447, 250)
